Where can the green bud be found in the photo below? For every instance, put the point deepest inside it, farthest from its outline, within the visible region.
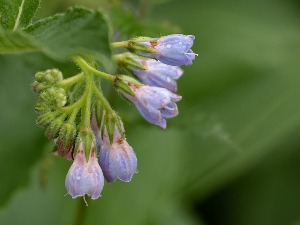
(39, 76)
(53, 76)
(41, 107)
(49, 76)
(39, 87)
(53, 129)
(55, 97)
(45, 119)
(67, 134)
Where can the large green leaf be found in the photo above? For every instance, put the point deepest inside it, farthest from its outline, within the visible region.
(16, 14)
(78, 31)
(16, 41)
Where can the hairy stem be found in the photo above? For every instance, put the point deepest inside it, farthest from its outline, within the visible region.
(86, 67)
(86, 110)
(72, 80)
(102, 99)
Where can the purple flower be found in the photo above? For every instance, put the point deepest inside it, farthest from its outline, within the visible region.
(154, 103)
(84, 178)
(158, 74)
(117, 160)
(174, 50)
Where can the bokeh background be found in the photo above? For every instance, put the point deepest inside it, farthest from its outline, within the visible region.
(231, 157)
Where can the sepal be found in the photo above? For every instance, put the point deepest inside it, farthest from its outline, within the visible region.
(45, 119)
(53, 129)
(87, 139)
(66, 138)
(123, 82)
(111, 122)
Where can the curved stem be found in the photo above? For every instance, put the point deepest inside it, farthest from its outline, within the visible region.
(85, 66)
(102, 99)
(73, 115)
(77, 104)
(72, 80)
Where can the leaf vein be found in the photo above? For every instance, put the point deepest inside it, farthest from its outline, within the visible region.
(19, 15)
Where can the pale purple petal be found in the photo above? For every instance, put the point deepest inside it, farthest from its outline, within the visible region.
(155, 103)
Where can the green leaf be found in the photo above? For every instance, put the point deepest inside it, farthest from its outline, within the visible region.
(16, 14)
(16, 41)
(77, 31)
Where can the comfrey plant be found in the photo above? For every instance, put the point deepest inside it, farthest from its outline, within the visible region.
(73, 109)
(66, 107)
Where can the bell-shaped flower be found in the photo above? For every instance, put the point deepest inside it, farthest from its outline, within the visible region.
(117, 160)
(154, 103)
(84, 178)
(174, 50)
(158, 74)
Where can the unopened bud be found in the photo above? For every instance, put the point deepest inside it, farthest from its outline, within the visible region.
(49, 76)
(44, 119)
(54, 97)
(53, 129)
(67, 136)
(39, 87)
(41, 107)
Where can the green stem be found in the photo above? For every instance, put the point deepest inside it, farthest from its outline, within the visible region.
(73, 115)
(72, 80)
(80, 212)
(69, 109)
(86, 111)
(120, 44)
(102, 99)
(85, 66)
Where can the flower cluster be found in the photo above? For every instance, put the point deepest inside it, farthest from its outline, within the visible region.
(82, 123)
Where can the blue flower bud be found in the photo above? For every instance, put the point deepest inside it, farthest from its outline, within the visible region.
(174, 50)
(117, 160)
(154, 103)
(84, 178)
(158, 74)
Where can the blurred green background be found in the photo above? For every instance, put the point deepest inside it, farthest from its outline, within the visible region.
(231, 157)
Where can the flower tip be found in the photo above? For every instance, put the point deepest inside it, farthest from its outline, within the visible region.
(192, 37)
(162, 124)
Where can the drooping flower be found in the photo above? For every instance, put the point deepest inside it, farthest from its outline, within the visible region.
(154, 103)
(158, 74)
(174, 50)
(117, 160)
(84, 178)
